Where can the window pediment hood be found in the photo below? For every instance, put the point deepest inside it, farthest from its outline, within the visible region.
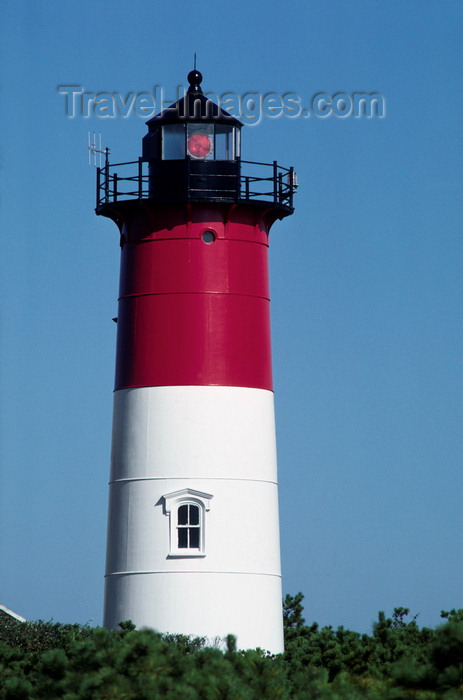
(184, 494)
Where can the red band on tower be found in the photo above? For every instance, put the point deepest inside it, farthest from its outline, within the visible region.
(194, 306)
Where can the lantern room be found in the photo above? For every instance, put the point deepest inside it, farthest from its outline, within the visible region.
(192, 153)
(193, 150)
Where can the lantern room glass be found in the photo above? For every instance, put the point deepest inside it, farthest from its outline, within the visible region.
(173, 142)
(180, 141)
(200, 141)
(224, 147)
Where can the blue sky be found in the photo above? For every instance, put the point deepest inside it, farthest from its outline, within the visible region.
(364, 283)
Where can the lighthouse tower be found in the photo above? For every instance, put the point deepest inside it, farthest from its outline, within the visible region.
(193, 537)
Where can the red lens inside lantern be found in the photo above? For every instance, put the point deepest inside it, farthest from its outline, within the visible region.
(199, 145)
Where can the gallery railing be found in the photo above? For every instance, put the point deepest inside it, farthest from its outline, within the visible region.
(264, 181)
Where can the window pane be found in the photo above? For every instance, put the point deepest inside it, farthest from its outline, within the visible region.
(182, 538)
(224, 142)
(194, 538)
(183, 515)
(194, 515)
(173, 142)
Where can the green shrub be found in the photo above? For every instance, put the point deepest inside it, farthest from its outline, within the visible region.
(397, 661)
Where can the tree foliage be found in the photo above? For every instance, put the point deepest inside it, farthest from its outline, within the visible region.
(398, 660)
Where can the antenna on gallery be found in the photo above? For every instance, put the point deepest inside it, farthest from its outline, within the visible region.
(96, 150)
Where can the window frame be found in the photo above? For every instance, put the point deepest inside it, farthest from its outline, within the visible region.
(188, 526)
(174, 139)
(172, 502)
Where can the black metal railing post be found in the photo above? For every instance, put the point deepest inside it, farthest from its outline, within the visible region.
(106, 184)
(140, 179)
(98, 171)
(291, 186)
(275, 182)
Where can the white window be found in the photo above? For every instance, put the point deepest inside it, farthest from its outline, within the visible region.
(187, 522)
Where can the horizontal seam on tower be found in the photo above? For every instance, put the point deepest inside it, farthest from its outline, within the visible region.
(198, 238)
(193, 571)
(219, 386)
(189, 478)
(199, 386)
(165, 294)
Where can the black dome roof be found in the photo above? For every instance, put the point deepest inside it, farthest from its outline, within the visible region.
(195, 106)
